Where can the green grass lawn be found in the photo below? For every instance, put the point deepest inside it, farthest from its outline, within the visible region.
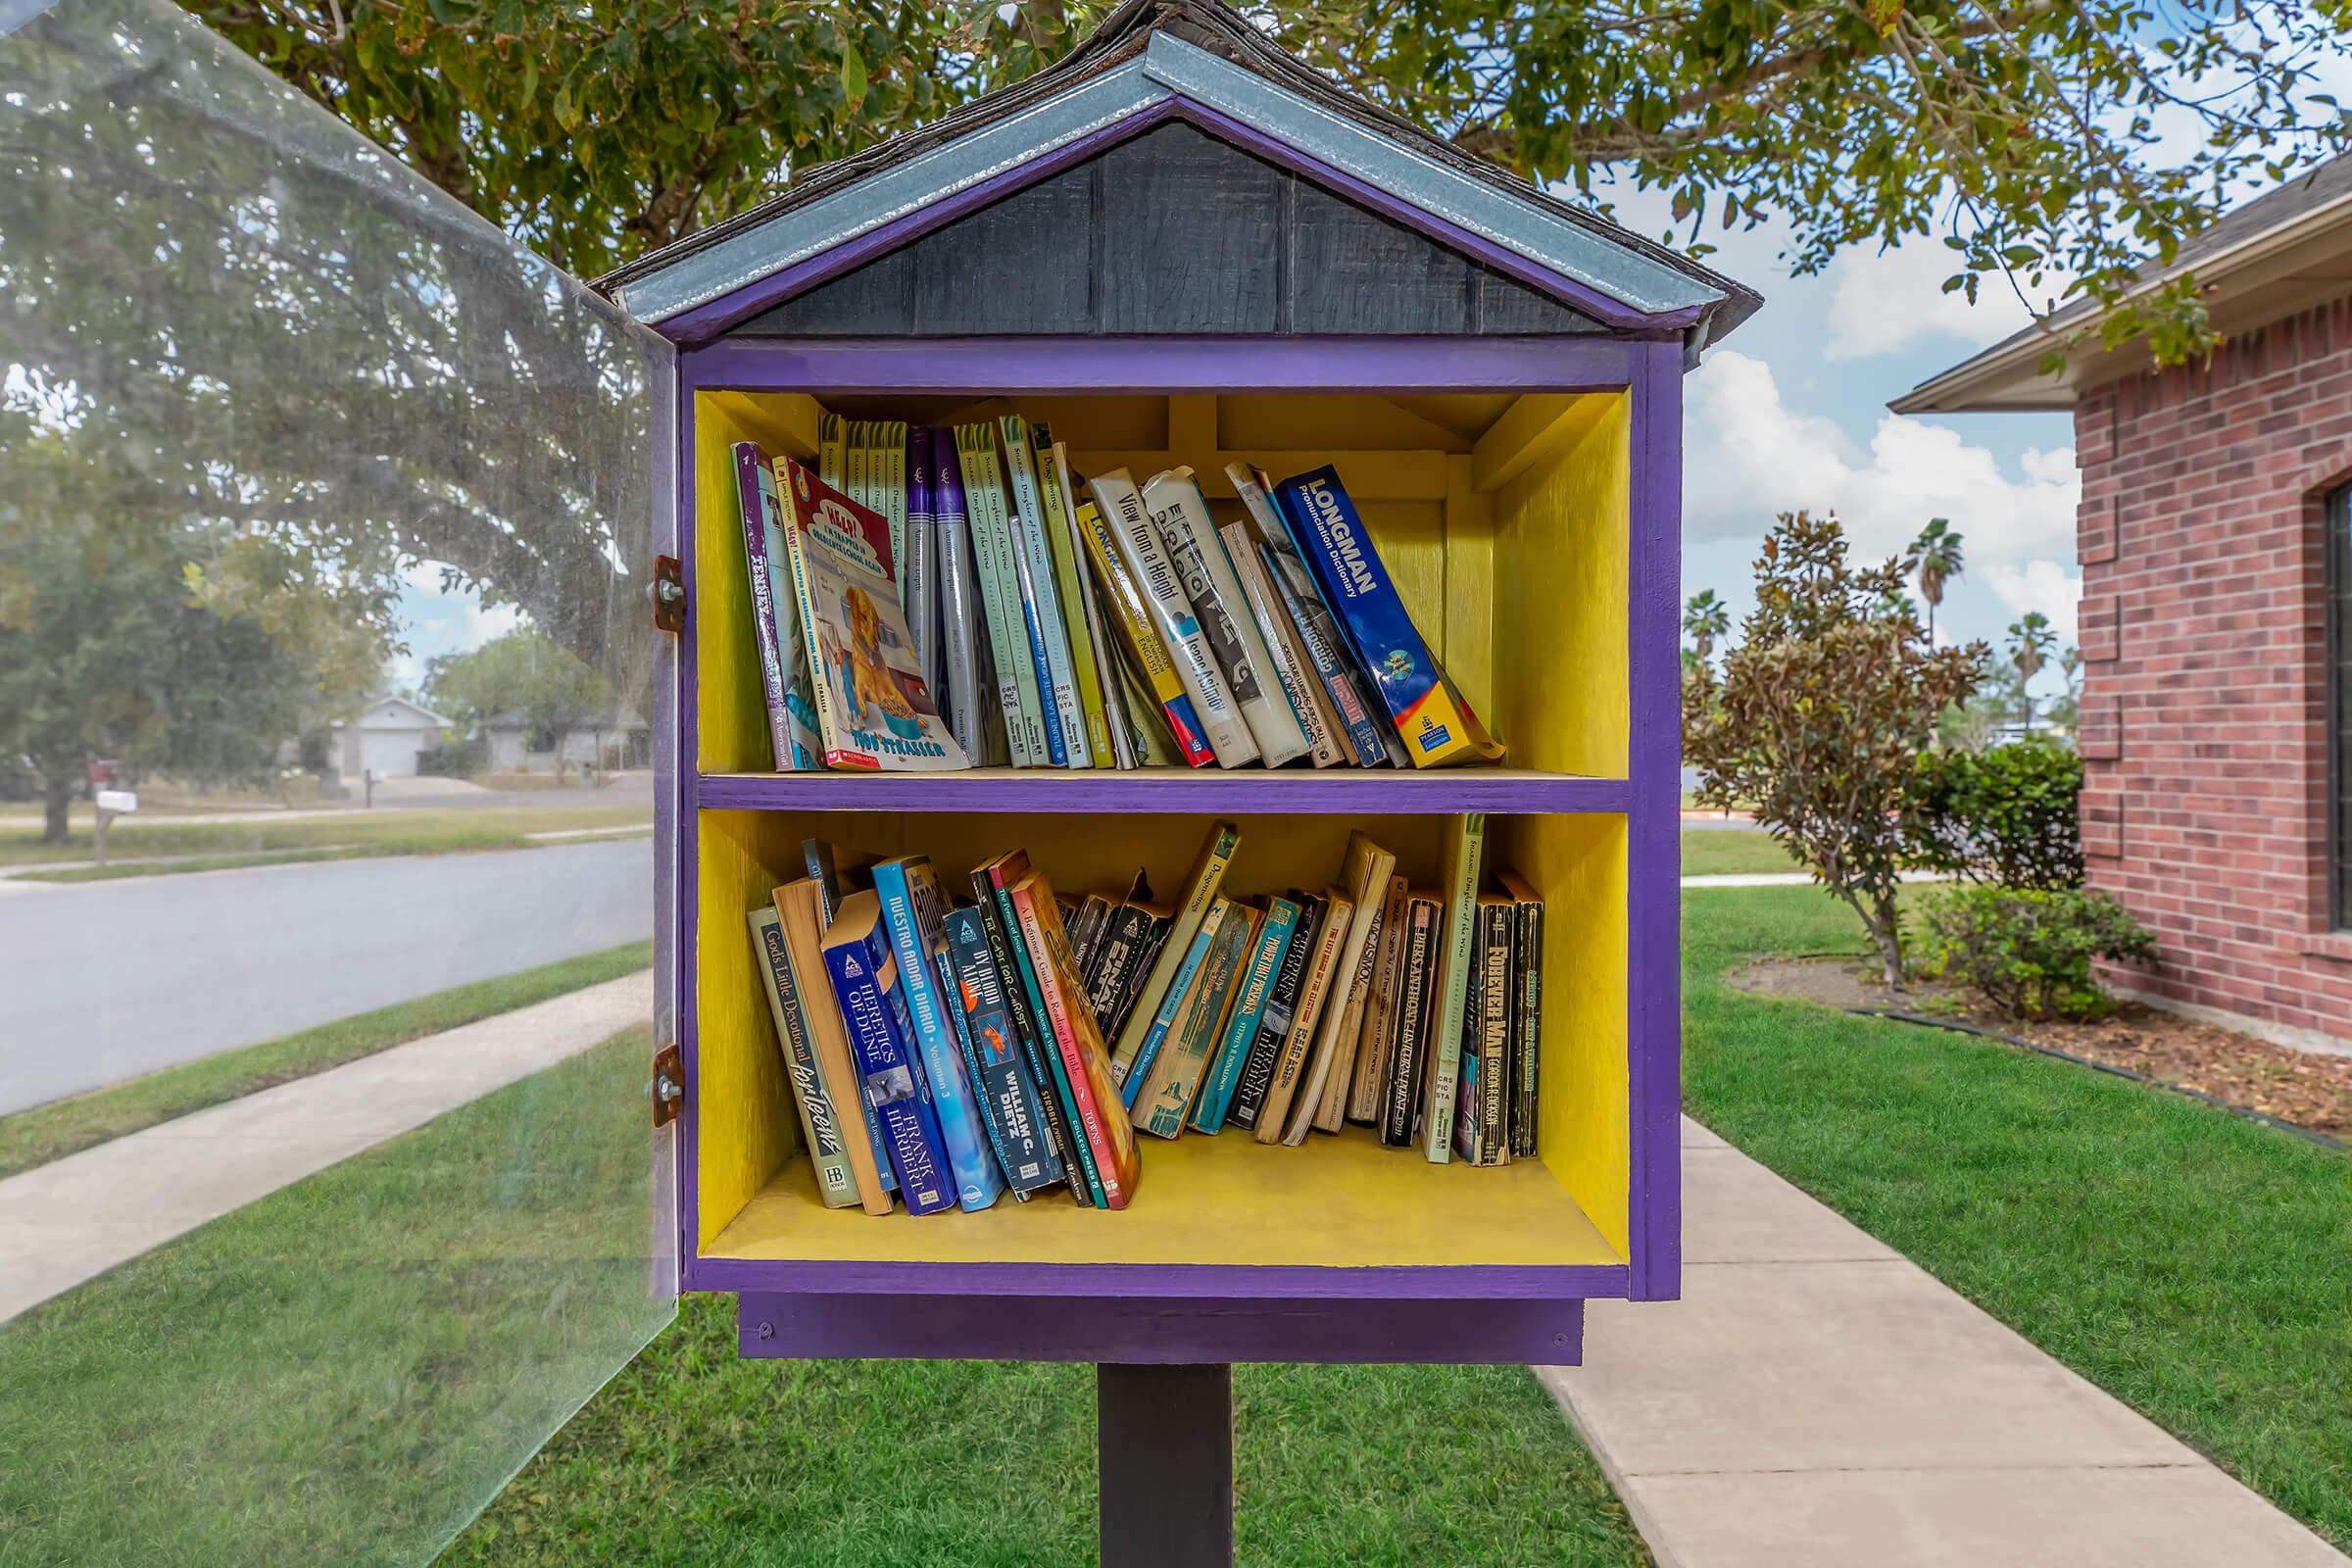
(50, 1132)
(2195, 1265)
(338, 1374)
(383, 832)
(1710, 852)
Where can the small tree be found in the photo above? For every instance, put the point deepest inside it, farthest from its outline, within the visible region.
(1935, 556)
(2029, 643)
(1706, 617)
(1820, 715)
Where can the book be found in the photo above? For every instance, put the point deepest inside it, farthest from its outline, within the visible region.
(1087, 931)
(1181, 515)
(918, 583)
(1176, 1076)
(1012, 1105)
(1058, 677)
(1319, 634)
(1051, 460)
(1527, 1019)
(1026, 582)
(1284, 1086)
(1268, 949)
(1364, 877)
(992, 884)
(1293, 668)
(800, 909)
(1201, 886)
(1274, 1021)
(1173, 616)
(1108, 1138)
(989, 512)
(1458, 859)
(832, 442)
(912, 905)
(1165, 1022)
(873, 711)
(1497, 918)
(1331, 1111)
(1126, 956)
(1423, 705)
(865, 982)
(1117, 683)
(963, 623)
(1400, 1107)
(1149, 664)
(1378, 1040)
(821, 1129)
(837, 874)
(776, 624)
(887, 490)
(1470, 1080)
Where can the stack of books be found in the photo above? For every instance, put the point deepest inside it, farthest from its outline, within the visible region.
(944, 1052)
(958, 596)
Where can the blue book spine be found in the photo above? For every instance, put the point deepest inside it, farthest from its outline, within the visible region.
(1257, 984)
(1304, 602)
(1009, 1103)
(894, 1085)
(910, 910)
(1027, 579)
(1165, 1019)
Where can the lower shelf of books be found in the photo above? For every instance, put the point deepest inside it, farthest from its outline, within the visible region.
(1341, 1202)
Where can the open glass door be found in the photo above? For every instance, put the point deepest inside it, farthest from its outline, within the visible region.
(326, 516)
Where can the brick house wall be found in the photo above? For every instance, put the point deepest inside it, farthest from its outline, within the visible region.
(2204, 711)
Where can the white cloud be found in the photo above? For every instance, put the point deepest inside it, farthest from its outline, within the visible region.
(1886, 301)
(2040, 584)
(1751, 456)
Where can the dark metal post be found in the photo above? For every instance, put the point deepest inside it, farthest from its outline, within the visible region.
(1165, 1437)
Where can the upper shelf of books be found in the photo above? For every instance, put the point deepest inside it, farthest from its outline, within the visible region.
(1327, 603)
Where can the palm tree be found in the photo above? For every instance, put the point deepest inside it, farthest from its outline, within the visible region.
(2029, 643)
(1935, 553)
(1706, 617)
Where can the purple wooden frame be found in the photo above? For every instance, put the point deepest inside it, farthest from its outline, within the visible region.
(705, 322)
(1193, 1312)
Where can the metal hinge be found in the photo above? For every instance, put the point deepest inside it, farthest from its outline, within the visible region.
(669, 594)
(669, 1084)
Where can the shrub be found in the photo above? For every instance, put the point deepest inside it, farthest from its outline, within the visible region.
(2028, 951)
(2007, 816)
(453, 759)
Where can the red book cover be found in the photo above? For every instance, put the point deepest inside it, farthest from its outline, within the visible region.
(1117, 1161)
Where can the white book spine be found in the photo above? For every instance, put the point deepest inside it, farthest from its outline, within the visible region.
(962, 615)
(832, 452)
(1097, 635)
(888, 479)
(999, 589)
(1155, 573)
(1061, 677)
(1293, 671)
(1181, 514)
(918, 568)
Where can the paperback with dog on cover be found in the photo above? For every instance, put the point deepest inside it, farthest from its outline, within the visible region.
(874, 712)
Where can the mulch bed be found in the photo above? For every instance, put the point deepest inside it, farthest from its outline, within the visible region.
(2301, 1087)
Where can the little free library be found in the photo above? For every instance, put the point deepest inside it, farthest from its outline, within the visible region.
(1169, 812)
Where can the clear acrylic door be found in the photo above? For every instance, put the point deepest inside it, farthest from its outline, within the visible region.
(328, 1182)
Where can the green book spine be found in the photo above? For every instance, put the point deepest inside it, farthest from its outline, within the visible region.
(1029, 520)
(998, 882)
(990, 522)
(821, 1128)
(1086, 636)
(1465, 836)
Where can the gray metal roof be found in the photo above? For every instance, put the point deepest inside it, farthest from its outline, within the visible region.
(1145, 52)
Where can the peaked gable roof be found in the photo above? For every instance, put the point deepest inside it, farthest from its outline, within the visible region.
(1200, 55)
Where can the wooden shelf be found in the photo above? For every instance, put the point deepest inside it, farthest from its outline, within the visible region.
(1328, 791)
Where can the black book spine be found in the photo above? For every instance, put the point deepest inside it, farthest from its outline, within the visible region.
(1403, 1089)
(1274, 1023)
(1024, 1023)
(1121, 944)
(1527, 1030)
(1496, 1005)
(1086, 933)
(1155, 935)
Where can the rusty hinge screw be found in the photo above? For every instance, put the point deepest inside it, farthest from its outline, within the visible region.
(669, 1084)
(669, 594)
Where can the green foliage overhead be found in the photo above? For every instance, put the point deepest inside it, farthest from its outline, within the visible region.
(1817, 718)
(525, 673)
(2007, 818)
(2029, 951)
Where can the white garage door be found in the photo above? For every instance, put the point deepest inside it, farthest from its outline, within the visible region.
(390, 754)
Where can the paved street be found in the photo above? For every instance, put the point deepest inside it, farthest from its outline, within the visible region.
(106, 980)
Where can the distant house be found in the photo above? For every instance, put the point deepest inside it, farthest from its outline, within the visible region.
(516, 743)
(386, 738)
(2215, 536)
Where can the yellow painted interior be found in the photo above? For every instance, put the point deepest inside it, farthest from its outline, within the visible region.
(1583, 1121)
(1505, 520)
(1562, 576)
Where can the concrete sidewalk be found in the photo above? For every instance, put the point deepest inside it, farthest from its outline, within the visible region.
(1816, 1401)
(1784, 879)
(74, 1218)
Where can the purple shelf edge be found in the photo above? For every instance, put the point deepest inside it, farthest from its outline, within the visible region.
(1461, 1282)
(1375, 792)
